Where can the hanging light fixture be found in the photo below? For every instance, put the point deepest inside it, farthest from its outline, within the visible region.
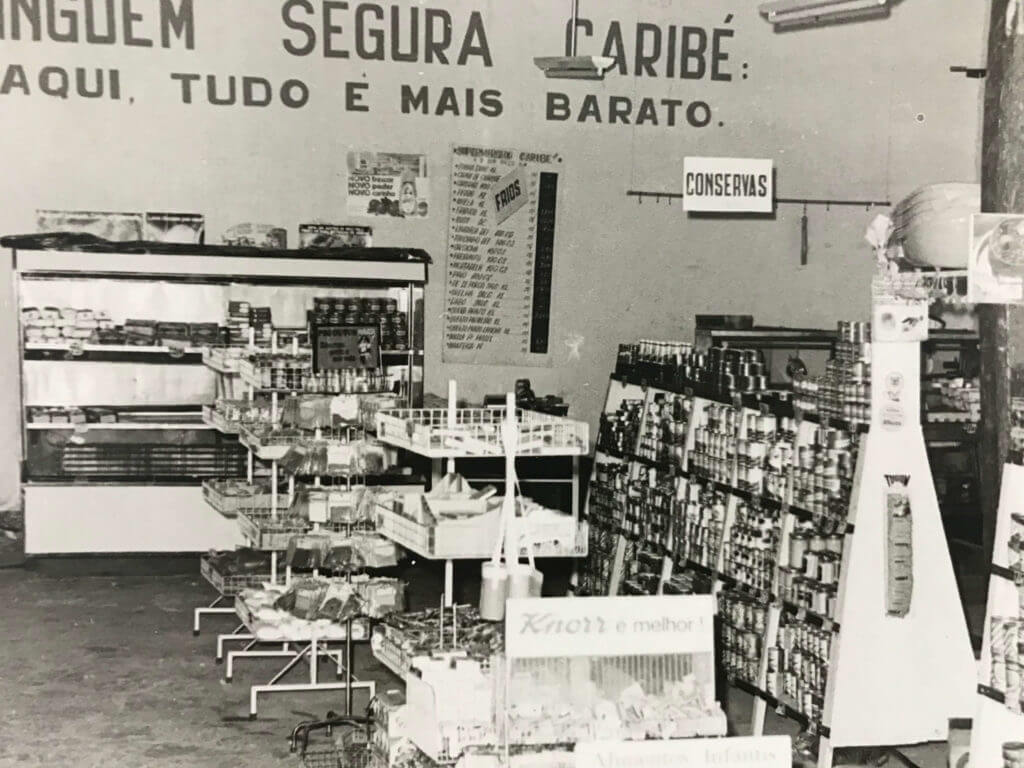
(795, 13)
(574, 67)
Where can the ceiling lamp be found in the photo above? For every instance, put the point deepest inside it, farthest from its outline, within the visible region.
(573, 67)
(793, 13)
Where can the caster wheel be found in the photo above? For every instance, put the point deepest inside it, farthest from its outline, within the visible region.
(218, 661)
(227, 679)
(195, 633)
(252, 716)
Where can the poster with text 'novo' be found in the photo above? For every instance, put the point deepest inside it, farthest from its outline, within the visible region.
(501, 236)
(388, 184)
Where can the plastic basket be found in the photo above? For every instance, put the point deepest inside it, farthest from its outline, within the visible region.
(260, 528)
(477, 432)
(468, 538)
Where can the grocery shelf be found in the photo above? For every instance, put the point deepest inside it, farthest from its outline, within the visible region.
(112, 353)
(119, 426)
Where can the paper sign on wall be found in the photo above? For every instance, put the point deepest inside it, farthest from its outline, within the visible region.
(388, 184)
(728, 185)
(509, 194)
(500, 274)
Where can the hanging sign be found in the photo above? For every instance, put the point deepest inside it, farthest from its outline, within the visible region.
(337, 347)
(728, 185)
(509, 194)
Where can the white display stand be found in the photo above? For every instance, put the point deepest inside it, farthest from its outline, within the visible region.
(994, 723)
(655, 644)
(896, 680)
(892, 680)
(444, 435)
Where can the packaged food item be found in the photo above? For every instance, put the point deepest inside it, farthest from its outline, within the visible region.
(256, 236)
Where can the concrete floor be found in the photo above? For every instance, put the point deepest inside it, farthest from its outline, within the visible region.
(99, 668)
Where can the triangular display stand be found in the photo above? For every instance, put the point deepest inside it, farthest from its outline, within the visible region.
(995, 723)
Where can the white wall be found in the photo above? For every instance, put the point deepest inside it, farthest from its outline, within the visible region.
(855, 111)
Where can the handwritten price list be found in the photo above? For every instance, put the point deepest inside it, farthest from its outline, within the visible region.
(498, 294)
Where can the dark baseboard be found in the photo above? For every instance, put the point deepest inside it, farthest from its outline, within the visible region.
(115, 564)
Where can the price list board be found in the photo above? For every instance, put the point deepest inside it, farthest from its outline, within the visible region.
(500, 270)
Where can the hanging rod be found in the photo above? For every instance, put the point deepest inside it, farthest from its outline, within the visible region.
(778, 200)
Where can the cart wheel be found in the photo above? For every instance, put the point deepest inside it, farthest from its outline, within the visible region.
(252, 715)
(195, 633)
(218, 661)
(228, 679)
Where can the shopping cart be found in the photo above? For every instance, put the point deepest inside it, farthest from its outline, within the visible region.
(338, 741)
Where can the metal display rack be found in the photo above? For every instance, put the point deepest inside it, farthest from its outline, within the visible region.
(650, 509)
(443, 435)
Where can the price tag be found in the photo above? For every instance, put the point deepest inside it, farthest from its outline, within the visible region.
(780, 709)
(764, 409)
(801, 614)
(825, 422)
(828, 625)
(798, 412)
(737, 400)
(812, 728)
(75, 348)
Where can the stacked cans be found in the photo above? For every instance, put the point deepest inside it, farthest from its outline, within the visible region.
(810, 580)
(699, 529)
(750, 552)
(823, 475)
(735, 370)
(617, 431)
(844, 392)
(798, 665)
(1005, 638)
(715, 442)
(375, 311)
(743, 627)
(667, 422)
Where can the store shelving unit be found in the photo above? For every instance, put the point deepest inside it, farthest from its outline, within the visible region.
(640, 508)
(84, 507)
(998, 717)
(446, 434)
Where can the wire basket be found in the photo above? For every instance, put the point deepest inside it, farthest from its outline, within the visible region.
(230, 585)
(337, 742)
(477, 432)
(229, 496)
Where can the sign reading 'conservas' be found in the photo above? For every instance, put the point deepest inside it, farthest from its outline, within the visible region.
(728, 185)
(609, 626)
(500, 256)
